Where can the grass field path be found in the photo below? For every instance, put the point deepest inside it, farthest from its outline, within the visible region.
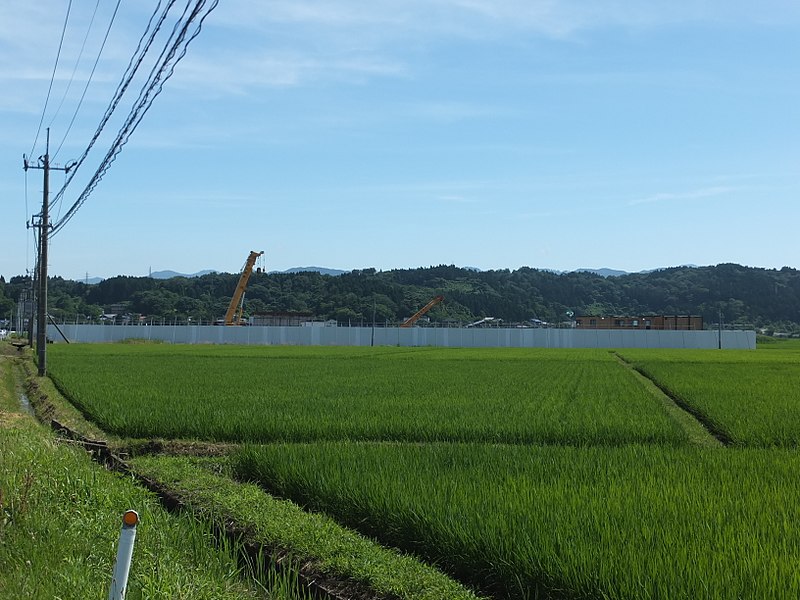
(698, 432)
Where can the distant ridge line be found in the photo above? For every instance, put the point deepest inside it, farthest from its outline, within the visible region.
(169, 274)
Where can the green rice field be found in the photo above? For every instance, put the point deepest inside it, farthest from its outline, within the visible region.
(622, 522)
(524, 473)
(386, 394)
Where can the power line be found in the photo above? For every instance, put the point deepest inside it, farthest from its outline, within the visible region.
(91, 74)
(57, 199)
(58, 208)
(160, 73)
(174, 50)
(52, 77)
(75, 68)
(130, 71)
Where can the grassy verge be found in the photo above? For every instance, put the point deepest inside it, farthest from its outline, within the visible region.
(60, 517)
(51, 404)
(312, 539)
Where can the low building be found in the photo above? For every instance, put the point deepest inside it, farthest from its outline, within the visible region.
(116, 309)
(281, 319)
(657, 322)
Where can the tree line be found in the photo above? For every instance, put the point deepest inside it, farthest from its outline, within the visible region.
(764, 298)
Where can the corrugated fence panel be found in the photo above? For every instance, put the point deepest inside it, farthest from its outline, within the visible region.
(496, 337)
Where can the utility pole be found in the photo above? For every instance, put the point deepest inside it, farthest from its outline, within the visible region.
(44, 234)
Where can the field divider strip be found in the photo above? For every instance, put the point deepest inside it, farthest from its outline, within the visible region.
(700, 430)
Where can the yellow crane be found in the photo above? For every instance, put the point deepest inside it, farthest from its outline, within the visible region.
(234, 314)
(413, 318)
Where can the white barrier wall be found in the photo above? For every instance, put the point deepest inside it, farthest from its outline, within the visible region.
(412, 336)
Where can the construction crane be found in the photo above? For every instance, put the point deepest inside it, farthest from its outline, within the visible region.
(234, 314)
(415, 317)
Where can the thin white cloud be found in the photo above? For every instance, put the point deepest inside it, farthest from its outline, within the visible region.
(555, 18)
(289, 43)
(680, 196)
(238, 74)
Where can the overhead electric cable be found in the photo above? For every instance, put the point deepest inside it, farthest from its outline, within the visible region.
(77, 62)
(52, 77)
(159, 74)
(58, 197)
(91, 74)
(130, 71)
(162, 71)
(57, 208)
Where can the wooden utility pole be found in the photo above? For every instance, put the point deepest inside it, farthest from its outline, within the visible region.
(44, 234)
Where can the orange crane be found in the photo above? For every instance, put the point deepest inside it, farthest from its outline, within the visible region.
(234, 314)
(413, 318)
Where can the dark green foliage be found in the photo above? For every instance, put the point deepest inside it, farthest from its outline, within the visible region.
(745, 296)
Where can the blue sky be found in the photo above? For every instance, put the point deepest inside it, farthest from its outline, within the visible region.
(551, 134)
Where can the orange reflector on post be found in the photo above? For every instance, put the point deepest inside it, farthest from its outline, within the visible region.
(130, 518)
(122, 566)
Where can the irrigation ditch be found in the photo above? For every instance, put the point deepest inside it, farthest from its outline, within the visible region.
(254, 556)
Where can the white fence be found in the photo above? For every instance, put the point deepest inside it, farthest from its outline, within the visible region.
(413, 336)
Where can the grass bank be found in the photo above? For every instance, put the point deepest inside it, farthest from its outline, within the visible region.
(338, 556)
(60, 517)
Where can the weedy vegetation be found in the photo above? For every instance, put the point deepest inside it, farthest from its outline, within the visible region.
(60, 519)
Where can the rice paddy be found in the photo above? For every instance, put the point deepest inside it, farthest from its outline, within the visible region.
(279, 394)
(621, 522)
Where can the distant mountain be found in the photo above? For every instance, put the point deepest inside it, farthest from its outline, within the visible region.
(604, 272)
(167, 274)
(171, 274)
(320, 270)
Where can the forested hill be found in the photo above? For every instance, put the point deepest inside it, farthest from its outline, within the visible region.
(745, 295)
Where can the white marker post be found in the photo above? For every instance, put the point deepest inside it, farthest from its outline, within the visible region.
(122, 566)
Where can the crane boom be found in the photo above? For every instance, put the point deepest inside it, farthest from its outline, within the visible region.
(415, 317)
(238, 294)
